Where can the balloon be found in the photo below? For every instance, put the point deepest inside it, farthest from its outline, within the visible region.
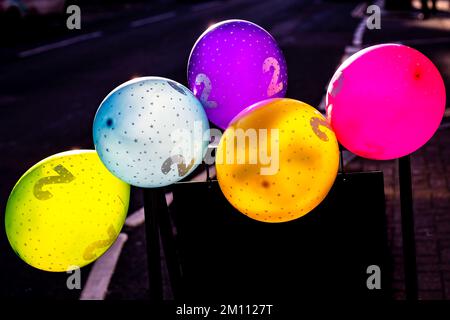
(385, 101)
(234, 64)
(65, 211)
(150, 132)
(286, 166)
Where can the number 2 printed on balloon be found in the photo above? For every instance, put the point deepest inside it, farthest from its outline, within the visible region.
(89, 252)
(180, 162)
(64, 176)
(274, 85)
(203, 79)
(316, 122)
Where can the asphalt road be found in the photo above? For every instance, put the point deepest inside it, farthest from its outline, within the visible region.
(48, 100)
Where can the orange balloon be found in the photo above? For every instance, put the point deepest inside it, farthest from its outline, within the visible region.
(277, 160)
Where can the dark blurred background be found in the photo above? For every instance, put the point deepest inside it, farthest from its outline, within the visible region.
(52, 80)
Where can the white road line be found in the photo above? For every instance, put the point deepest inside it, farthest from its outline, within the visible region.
(347, 157)
(137, 218)
(204, 6)
(355, 47)
(359, 33)
(349, 50)
(60, 44)
(359, 10)
(153, 19)
(97, 283)
(357, 44)
(322, 104)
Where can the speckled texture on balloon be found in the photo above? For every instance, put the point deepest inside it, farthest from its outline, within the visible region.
(233, 65)
(151, 132)
(385, 101)
(308, 161)
(65, 211)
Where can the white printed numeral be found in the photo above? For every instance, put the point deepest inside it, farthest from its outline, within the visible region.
(203, 79)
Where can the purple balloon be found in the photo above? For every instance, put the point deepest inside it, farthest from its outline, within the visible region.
(234, 64)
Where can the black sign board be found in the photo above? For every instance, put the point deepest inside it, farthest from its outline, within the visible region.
(223, 254)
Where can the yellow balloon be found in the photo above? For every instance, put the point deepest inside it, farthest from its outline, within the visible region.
(277, 160)
(65, 211)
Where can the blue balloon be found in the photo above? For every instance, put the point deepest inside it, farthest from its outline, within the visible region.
(151, 132)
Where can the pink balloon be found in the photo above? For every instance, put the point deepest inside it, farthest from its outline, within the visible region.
(385, 101)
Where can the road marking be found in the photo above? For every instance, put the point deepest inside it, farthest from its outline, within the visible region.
(357, 42)
(204, 6)
(60, 44)
(153, 19)
(359, 33)
(349, 50)
(101, 273)
(99, 278)
(445, 125)
(322, 104)
(359, 11)
(138, 217)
